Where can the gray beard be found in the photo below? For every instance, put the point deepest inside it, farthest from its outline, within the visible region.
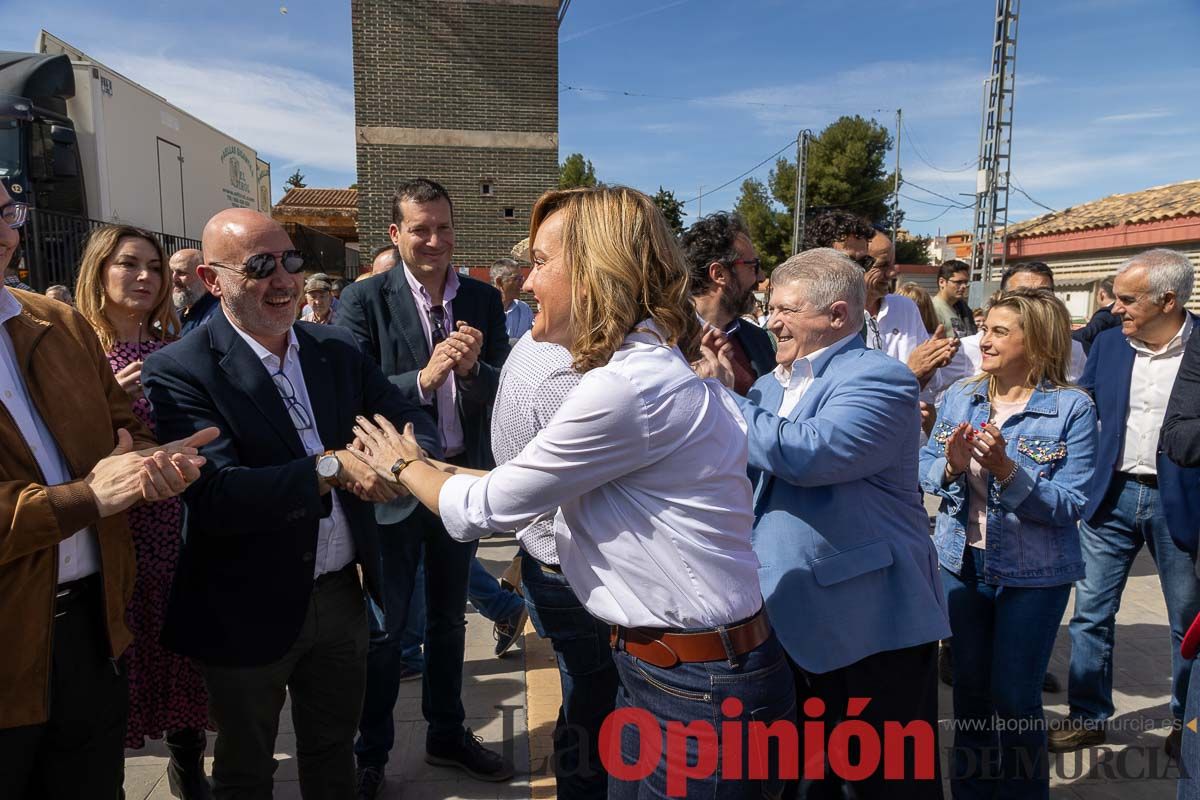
(183, 299)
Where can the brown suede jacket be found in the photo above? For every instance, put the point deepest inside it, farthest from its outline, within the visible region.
(73, 388)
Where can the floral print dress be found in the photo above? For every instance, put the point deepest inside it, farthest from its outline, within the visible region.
(166, 692)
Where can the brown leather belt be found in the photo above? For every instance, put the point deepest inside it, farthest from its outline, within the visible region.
(665, 649)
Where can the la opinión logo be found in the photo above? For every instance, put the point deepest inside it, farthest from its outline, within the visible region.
(742, 751)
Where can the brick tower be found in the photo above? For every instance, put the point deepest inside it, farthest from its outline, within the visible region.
(464, 92)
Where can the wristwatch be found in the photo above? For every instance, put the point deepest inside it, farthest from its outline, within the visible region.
(329, 468)
(399, 466)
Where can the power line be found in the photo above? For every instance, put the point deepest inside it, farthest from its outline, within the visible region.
(714, 100)
(912, 140)
(562, 10)
(957, 203)
(1013, 180)
(928, 203)
(744, 174)
(931, 219)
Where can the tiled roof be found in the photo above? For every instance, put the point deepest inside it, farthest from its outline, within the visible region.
(321, 198)
(1158, 203)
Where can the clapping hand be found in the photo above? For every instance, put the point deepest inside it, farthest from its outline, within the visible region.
(130, 379)
(958, 449)
(989, 448)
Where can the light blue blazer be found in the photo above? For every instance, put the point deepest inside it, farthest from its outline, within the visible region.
(848, 568)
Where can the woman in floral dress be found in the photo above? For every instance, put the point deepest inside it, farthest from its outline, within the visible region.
(124, 293)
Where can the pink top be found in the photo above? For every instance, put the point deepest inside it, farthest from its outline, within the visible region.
(977, 479)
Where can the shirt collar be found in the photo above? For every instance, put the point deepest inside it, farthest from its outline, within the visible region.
(422, 294)
(815, 361)
(9, 305)
(1176, 343)
(264, 355)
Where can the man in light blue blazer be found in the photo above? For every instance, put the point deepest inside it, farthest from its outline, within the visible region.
(849, 572)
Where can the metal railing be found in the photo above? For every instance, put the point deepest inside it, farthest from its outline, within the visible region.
(52, 245)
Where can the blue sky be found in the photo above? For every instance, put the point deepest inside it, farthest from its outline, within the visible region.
(1106, 96)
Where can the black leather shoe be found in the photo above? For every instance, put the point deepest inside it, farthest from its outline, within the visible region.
(471, 757)
(370, 782)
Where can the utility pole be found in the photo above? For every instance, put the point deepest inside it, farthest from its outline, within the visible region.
(801, 190)
(995, 148)
(896, 176)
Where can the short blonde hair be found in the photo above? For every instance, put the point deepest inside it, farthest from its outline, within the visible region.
(625, 266)
(90, 297)
(1046, 324)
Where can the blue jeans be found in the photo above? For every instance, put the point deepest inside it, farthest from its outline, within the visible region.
(694, 693)
(447, 566)
(494, 603)
(1003, 638)
(1131, 515)
(1189, 760)
(587, 674)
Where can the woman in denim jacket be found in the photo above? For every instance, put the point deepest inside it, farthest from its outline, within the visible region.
(1011, 455)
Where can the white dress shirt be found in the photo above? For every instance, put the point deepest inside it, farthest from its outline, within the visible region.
(536, 379)
(647, 466)
(518, 319)
(900, 327)
(449, 425)
(1150, 384)
(79, 553)
(796, 380)
(335, 546)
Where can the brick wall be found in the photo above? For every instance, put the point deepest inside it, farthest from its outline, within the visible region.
(446, 66)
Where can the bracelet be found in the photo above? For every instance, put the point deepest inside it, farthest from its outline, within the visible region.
(948, 475)
(1004, 482)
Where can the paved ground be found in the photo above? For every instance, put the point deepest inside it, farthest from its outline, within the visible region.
(512, 703)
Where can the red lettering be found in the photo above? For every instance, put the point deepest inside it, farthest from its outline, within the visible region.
(649, 744)
(814, 740)
(924, 749)
(731, 740)
(784, 732)
(868, 754)
(678, 768)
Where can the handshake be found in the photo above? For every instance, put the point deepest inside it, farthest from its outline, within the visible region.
(127, 476)
(367, 461)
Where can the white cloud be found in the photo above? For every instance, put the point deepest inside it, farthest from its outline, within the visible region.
(1136, 116)
(287, 114)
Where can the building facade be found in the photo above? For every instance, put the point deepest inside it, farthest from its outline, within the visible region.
(464, 92)
(1085, 244)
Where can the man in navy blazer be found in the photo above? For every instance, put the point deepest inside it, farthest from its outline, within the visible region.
(849, 572)
(1137, 495)
(725, 269)
(267, 597)
(441, 338)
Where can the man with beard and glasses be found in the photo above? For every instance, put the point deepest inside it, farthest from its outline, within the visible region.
(725, 269)
(194, 303)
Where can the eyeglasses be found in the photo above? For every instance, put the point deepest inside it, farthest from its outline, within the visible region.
(15, 214)
(263, 264)
(296, 410)
(865, 262)
(953, 282)
(753, 263)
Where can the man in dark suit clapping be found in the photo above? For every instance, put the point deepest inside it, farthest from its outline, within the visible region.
(267, 598)
(441, 339)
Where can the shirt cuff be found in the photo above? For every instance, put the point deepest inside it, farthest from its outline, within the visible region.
(421, 392)
(454, 506)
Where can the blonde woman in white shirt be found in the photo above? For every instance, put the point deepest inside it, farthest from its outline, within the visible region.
(644, 466)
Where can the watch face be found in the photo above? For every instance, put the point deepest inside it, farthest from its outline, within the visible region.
(328, 466)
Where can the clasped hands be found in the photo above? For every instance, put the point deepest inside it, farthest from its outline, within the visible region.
(126, 476)
(458, 353)
(985, 445)
(367, 461)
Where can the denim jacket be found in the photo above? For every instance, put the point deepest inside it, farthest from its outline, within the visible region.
(1032, 525)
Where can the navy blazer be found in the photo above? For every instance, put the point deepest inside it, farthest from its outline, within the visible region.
(1106, 377)
(245, 574)
(1181, 428)
(758, 346)
(382, 315)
